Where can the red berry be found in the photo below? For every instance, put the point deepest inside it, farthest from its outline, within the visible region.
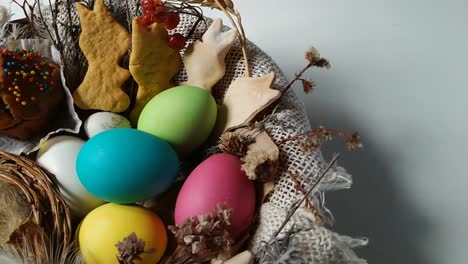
(173, 20)
(158, 2)
(147, 5)
(145, 20)
(177, 41)
(161, 14)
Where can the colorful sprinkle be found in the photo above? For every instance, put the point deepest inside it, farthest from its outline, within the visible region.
(24, 103)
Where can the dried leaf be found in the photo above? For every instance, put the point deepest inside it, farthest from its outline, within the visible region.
(204, 60)
(244, 99)
(261, 162)
(152, 63)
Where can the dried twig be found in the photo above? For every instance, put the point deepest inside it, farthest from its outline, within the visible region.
(314, 139)
(298, 203)
(308, 203)
(315, 60)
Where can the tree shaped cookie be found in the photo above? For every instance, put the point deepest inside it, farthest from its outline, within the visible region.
(152, 63)
(104, 42)
(204, 60)
(244, 99)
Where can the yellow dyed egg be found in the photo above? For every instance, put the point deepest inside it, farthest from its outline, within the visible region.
(105, 226)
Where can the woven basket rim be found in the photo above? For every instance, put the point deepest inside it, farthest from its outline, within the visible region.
(49, 210)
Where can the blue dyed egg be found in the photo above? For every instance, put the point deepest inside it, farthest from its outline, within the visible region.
(125, 165)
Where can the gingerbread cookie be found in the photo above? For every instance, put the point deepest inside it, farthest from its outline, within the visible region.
(244, 99)
(104, 42)
(152, 63)
(204, 59)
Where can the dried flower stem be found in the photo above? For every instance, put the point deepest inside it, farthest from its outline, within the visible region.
(240, 29)
(298, 204)
(315, 60)
(297, 77)
(308, 203)
(202, 237)
(26, 5)
(316, 137)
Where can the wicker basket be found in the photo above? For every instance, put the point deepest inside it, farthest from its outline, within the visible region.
(314, 243)
(50, 218)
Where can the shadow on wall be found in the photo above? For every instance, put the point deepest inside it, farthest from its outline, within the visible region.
(373, 207)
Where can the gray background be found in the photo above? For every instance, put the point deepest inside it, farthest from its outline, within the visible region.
(400, 77)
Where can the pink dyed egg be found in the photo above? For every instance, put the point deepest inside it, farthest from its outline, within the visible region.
(218, 179)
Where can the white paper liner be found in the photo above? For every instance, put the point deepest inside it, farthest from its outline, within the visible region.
(66, 119)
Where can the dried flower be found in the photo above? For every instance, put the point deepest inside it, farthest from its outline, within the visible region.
(314, 58)
(308, 85)
(203, 237)
(131, 248)
(354, 141)
(235, 143)
(314, 139)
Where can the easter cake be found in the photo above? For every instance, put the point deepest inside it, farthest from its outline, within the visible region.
(31, 91)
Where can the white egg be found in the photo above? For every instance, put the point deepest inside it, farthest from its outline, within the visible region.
(58, 156)
(102, 121)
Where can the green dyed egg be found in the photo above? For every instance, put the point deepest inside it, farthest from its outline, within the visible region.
(183, 116)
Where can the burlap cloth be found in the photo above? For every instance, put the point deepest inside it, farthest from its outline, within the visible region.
(311, 242)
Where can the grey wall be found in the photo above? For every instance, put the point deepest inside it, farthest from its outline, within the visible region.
(399, 75)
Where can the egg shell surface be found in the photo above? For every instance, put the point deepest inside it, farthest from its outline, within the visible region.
(58, 156)
(102, 121)
(125, 165)
(217, 180)
(184, 116)
(106, 225)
